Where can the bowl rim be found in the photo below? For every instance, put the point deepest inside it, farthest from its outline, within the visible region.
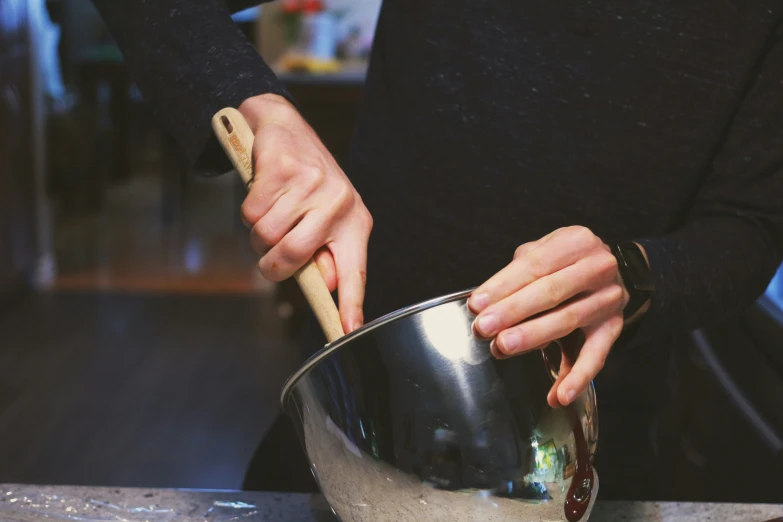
(332, 347)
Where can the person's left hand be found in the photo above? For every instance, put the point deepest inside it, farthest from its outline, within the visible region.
(568, 280)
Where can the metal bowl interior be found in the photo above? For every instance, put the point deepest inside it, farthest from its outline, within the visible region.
(368, 327)
(412, 418)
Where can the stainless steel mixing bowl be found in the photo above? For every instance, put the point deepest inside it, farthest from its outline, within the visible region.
(411, 418)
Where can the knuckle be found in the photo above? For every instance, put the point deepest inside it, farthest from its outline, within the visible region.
(583, 235)
(286, 162)
(312, 179)
(559, 231)
(509, 313)
(362, 216)
(520, 251)
(344, 198)
(264, 156)
(268, 236)
(296, 250)
(554, 293)
(586, 374)
(607, 263)
(249, 212)
(614, 294)
(367, 220)
(537, 265)
(572, 317)
(616, 324)
(292, 252)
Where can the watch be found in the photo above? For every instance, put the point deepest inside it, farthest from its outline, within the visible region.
(636, 275)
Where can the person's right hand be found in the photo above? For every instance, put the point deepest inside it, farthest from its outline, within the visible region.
(302, 204)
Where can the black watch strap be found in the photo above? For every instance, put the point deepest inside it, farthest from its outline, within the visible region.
(635, 273)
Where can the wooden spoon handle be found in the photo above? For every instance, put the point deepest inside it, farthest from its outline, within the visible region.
(236, 138)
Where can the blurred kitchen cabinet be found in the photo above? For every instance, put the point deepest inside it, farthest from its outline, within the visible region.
(17, 180)
(270, 35)
(328, 101)
(331, 107)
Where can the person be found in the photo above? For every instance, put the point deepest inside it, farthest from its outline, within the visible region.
(521, 147)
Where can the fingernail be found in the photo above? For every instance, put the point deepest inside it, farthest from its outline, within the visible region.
(511, 341)
(357, 323)
(493, 349)
(479, 302)
(570, 394)
(486, 325)
(552, 400)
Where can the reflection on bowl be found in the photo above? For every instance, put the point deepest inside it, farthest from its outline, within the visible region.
(410, 418)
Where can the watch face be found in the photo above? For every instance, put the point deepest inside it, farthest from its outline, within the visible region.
(636, 267)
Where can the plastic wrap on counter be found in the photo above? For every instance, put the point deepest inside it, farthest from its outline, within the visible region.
(28, 504)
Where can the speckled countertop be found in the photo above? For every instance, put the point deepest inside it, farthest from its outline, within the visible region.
(26, 503)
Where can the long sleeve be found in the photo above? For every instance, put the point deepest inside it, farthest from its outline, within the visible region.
(731, 243)
(189, 60)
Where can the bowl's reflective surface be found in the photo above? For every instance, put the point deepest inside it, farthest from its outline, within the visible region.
(411, 418)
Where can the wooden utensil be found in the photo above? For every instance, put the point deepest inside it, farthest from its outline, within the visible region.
(236, 138)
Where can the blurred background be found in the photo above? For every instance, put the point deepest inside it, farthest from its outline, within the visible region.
(139, 346)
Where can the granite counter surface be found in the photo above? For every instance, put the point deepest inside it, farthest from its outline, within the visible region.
(27, 503)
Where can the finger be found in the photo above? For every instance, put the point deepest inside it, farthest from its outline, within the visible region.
(497, 354)
(527, 247)
(325, 261)
(555, 252)
(260, 199)
(544, 294)
(592, 356)
(585, 310)
(258, 245)
(296, 248)
(479, 301)
(351, 262)
(551, 397)
(566, 363)
(272, 227)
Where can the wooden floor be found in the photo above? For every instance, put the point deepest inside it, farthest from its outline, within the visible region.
(129, 246)
(154, 390)
(156, 359)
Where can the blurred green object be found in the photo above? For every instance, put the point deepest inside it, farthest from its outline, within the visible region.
(291, 23)
(102, 53)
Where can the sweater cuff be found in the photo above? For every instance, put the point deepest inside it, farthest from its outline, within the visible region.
(707, 271)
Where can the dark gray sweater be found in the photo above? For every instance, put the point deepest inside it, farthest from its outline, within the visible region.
(490, 123)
